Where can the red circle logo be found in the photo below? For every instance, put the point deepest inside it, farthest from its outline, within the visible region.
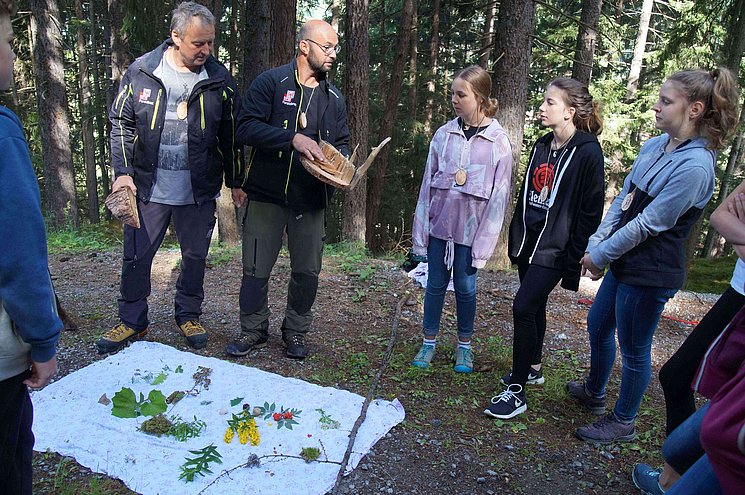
(543, 176)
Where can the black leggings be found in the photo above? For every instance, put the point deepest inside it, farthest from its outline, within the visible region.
(678, 372)
(529, 315)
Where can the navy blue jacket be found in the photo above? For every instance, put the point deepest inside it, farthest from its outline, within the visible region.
(138, 114)
(269, 120)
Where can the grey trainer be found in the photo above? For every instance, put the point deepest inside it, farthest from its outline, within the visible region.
(578, 391)
(424, 356)
(608, 429)
(463, 360)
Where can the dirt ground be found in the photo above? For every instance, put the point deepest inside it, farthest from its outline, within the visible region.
(446, 444)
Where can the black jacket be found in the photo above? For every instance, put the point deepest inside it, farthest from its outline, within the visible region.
(137, 118)
(575, 209)
(269, 121)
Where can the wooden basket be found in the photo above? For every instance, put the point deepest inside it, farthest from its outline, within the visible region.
(123, 205)
(337, 170)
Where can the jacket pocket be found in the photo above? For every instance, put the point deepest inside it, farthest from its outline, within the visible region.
(479, 180)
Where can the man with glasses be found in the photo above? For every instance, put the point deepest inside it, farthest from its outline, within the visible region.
(286, 111)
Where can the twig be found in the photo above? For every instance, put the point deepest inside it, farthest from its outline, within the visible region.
(252, 462)
(370, 393)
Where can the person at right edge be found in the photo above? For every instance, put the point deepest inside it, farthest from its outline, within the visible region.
(643, 238)
(285, 112)
(559, 207)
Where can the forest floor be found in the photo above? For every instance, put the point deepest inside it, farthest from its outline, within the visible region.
(446, 444)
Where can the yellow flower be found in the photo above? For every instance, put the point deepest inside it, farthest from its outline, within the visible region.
(253, 432)
(229, 435)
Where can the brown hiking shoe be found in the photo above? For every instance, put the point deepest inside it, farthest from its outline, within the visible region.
(196, 335)
(118, 337)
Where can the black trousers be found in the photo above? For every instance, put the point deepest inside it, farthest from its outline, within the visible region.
(16, 438)
(678, 372)
(529, 316)
(194, 224)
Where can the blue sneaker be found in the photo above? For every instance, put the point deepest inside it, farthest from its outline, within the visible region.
(463, 360)
(424, 356)
(647, 479)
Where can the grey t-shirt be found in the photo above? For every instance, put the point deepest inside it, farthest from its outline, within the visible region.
(173, 178)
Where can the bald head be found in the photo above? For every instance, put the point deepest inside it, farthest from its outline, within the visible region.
(315, 28)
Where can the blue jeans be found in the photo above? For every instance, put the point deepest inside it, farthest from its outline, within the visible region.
(683, 451)
(682, 448)
(635, 310)
(700, 479)
(464, 281)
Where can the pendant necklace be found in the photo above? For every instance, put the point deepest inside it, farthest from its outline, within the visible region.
(554, 151)
(461, 175)
(182, 109)
(304, 115)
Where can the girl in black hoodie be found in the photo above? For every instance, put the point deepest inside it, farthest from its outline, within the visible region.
(560, 205)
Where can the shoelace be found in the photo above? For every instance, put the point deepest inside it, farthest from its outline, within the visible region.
(505, 395)
(190, 328)
(116, 332)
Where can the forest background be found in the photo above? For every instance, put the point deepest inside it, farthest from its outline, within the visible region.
(395, 69)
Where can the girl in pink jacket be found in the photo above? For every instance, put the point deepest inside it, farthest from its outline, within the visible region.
(459, 214)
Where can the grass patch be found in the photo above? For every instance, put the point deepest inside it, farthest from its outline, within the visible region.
(102, 237)
(711, 275)
(222, 254)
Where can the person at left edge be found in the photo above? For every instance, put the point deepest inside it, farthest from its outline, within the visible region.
(285, 112)
(29, 325)
(172, 141)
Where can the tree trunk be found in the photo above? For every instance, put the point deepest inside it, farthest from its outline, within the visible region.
(86, 124)
(512, 52)
(487, 39)
(357, 80)
(100, 110)
(120, 57)
(266, 33)
(388, 122)
(233, 38)
(434, 50)
(632, 84)
(586, 40)
(51, 97)
(413, 52)
(270, 34)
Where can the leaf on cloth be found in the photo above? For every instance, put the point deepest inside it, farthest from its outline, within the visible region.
(104, 400)
(236, 401)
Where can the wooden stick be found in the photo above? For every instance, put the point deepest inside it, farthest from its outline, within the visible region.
(371, 392)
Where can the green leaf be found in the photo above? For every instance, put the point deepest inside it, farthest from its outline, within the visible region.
(236, 401)
(156, 405)
(179, 369)
(124, 404)
(160, 379)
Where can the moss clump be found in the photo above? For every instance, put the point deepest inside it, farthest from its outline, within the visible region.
(157, 425)
(310, 454)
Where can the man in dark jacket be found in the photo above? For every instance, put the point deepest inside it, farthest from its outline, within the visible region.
(172, 141)
(285, 113)
(29, 326)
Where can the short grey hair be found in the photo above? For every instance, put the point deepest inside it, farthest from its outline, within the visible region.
(185, 12)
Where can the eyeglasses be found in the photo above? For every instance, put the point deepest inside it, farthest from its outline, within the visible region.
(327, 49)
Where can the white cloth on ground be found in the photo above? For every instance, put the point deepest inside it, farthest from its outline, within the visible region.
(69, 419)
